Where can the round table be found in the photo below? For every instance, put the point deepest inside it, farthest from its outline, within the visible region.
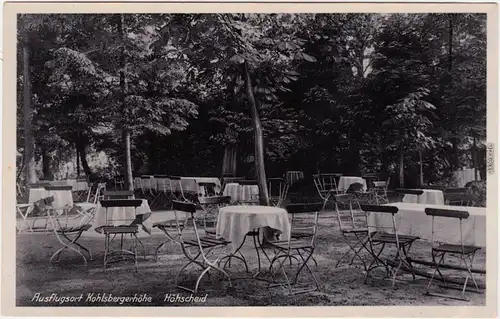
(346, 181)
(429, 196)
(234, 222)
(241, 193)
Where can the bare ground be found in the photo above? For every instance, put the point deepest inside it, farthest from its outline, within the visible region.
(342, 286)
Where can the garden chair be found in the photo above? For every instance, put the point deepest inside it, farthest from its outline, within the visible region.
(301, 249)
(206, 189)
(202, 244)
(458, 197)
(326, 185)
(123, 226)
(67, 232)
(380, 191)
(283, 187)
(119, 182)
(465, 253)
(381, 236)
(176, 189)
(355, 235)
(363, 196)
(163, 197)
(23, 210)
(90, 203)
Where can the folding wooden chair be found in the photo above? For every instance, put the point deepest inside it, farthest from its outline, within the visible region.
(176, 189)
(282, 187)
(23, 210)
(67, 235)
(458, 197)
(163, 197)
(119, 182)
(380, 191)
(203, 245)
(121, 227)
(378, 240)
(355, 235)
(362, 195)
(90, 203)
(302, 247)
(326, 185)
(465, 253)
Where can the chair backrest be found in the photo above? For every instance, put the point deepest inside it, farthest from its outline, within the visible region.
(118, 194)
(447, 213)
(352, 203)
(458, 196)
(210, 206)
(206, 189)
(301, 218)
(38, 185)
(121, 203)
(373, 226)
(58, 188)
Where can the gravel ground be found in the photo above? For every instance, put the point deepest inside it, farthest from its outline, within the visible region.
(344, 285)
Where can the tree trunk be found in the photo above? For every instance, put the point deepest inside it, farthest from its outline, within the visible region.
(260, 171)
(129, 183)
(230, 160)
(474, 158)
(401, 170)
(81, 150)
(29, 142)
(48, 174)
(77, 163)
(421, 182)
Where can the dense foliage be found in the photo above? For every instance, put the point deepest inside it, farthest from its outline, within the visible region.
(352, 93)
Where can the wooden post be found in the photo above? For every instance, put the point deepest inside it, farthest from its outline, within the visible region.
(29, 141)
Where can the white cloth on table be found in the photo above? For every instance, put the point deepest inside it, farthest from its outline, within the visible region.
(117, 216)
(346, 181)
(189, 184)
(241, 193)
(234, 222)
(411, 220)
(148, 182)
(464, 176)
(63, 199)
(429, 196)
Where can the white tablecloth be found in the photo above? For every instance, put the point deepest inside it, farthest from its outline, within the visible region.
(412, 220)
(464, 176)
(346, 181)
(121, 216)
(77, 186)
(235, 222)
(241, 193)
(62, 198)
(430, 196)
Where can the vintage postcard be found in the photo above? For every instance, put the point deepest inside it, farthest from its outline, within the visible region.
(250, 159)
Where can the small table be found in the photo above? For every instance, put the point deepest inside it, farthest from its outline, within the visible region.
(346, 181)
(429, 196)
(119, 215)
(235, 222)
(241, 193)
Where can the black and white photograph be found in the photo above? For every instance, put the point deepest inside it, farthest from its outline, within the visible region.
(247, 159)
